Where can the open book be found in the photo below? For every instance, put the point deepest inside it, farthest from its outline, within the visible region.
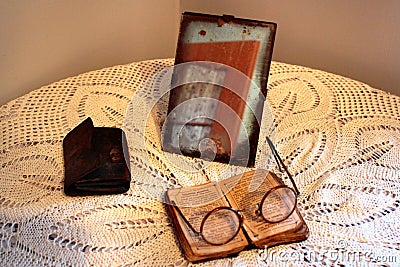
(189, 206)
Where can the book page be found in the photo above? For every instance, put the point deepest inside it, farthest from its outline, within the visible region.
(245, 193)
(195, 203)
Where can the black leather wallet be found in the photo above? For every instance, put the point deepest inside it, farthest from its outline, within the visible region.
(95, 161)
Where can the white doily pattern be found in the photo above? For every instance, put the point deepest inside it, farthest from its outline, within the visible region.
(340, 139)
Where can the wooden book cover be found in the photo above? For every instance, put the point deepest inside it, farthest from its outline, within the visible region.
(243, 193)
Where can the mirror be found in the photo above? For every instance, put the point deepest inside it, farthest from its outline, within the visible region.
(218, 88)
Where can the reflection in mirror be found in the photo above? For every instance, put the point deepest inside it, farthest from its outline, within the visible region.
(218, 88)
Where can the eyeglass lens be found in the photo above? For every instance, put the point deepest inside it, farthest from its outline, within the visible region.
(278, 204)
(220, 226)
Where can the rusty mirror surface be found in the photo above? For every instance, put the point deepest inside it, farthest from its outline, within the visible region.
(218, 88)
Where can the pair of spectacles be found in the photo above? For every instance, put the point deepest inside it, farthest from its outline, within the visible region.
(221, 225)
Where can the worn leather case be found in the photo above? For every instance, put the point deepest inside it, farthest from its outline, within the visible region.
(94, 161)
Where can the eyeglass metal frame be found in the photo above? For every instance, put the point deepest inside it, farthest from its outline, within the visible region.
(258, 211)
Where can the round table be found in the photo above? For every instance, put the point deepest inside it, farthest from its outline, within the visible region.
(340, 139)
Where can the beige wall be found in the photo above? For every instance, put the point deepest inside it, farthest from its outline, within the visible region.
(355, 38)
(43, 41)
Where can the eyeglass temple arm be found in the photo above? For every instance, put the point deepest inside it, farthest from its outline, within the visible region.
(184, 218)
(279, 161)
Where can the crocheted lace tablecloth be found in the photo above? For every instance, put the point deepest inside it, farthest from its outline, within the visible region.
(340, 139)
